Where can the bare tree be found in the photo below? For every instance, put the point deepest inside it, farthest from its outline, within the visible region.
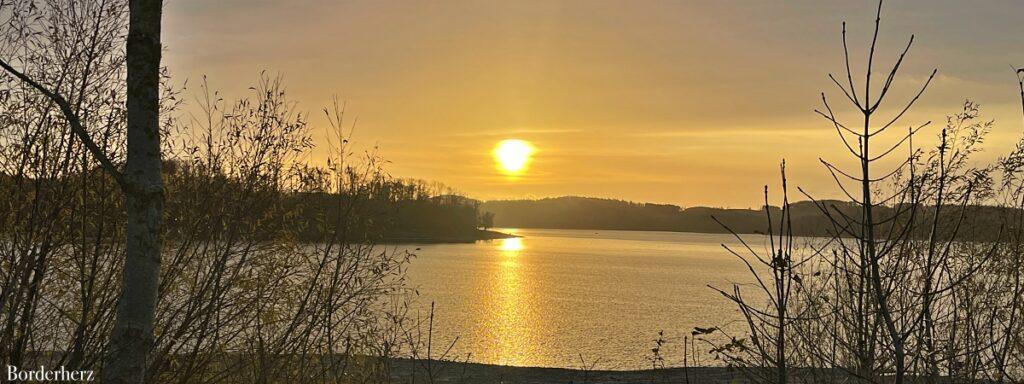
(767, 357)
(868, 227)
(141, 184)
(60, 209)
(920, 278)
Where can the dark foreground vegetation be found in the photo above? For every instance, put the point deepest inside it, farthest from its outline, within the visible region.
(269, 268)
(917, 281)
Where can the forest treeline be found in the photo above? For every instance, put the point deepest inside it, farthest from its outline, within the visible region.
(400, 210)
(572, 212)
(396, 210)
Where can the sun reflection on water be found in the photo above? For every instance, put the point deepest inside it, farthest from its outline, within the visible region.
(510, 313)
(512, 244)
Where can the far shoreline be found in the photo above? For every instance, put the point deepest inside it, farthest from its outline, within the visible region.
(478, 235)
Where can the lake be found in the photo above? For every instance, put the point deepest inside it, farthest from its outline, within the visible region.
(551, 295)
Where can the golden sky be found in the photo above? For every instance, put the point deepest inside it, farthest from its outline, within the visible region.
(684, 102)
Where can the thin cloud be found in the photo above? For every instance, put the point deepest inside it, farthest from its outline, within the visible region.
(522, 131)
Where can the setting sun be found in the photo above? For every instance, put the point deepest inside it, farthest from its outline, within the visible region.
(513, 155)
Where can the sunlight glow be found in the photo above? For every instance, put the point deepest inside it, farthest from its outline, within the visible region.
(512, 244)
(513, 155)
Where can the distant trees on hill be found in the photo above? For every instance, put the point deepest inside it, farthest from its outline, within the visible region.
(573, 212)
(399, 210)
(392, 209)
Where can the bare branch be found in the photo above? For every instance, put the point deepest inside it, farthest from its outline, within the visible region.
(73, 121)
(909, 104)
(892, 74)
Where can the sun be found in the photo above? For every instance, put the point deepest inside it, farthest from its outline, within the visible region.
(513, 155)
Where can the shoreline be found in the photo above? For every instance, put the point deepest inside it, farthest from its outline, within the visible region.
(406, 370)
(479, 235)
(410, 370)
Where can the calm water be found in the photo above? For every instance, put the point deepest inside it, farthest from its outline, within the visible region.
(545, 298)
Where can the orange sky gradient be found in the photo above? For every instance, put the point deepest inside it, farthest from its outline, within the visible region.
(684, 102)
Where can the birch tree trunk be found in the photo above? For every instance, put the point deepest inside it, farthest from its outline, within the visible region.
(132, 337)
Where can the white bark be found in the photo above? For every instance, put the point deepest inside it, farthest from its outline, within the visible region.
(132, 337)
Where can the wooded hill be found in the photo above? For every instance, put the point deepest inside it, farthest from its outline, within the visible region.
(573, 212)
